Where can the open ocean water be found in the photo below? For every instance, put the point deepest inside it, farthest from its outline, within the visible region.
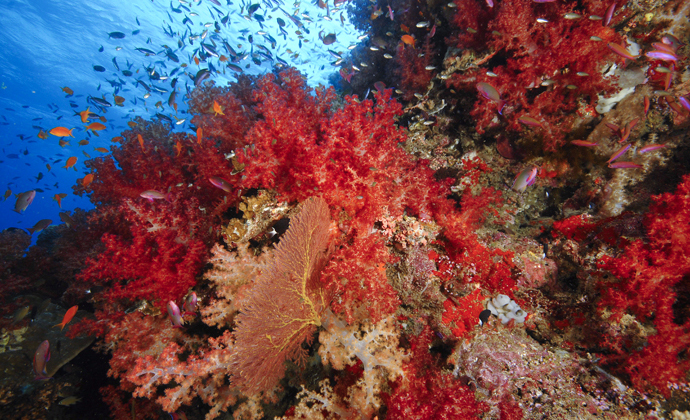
(133, 49)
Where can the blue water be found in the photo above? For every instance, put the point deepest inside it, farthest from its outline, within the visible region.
(48, 45)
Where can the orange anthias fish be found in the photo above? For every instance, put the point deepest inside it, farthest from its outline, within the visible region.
(178, 147)
(101, 149)
(199, 135)
(58, 198)
(217, 108)
(83, 142)
(62, 132)
(87, 180)
(63, 143)
(42, 135)
(376, 13)
(95, 126)
(141, 141)
(84, 115)
(68, 317)
(68, 91)
(119, 100)
(408, 39)
(71, 162)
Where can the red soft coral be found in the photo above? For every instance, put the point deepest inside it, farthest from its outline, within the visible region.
(651, 276)
(158, 259)
(523, 53)
(412, 67)
(356, 278)
(429, 393)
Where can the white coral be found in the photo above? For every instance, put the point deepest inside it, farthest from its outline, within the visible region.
(376, 346)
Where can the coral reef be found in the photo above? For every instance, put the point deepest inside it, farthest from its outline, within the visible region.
(457, 246)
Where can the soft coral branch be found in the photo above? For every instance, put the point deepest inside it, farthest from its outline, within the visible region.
(650, 276)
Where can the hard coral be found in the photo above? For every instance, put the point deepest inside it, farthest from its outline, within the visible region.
(506, 364)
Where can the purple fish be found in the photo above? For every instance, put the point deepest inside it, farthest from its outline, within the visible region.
(624, 165)
(685, 102)
(191, 304)
(650, 147)
(220, 183)
(41, 358)
(609, 14)
(619, 153)
(527, 120)
(583, 143)
(40, 225)
(661, 55)
(155, 195)
(490, 93)
(175, 315)
(671, 40)
(525, 179)
(65, 217)
(23, 201)
(621, 50)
